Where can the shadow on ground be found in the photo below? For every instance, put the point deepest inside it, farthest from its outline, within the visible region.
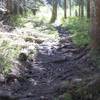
(50, 73)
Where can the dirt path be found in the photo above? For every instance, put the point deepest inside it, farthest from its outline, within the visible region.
(42, 77)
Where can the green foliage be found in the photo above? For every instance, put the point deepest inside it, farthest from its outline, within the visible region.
(7, 53)
(18, 20)
(81, 39)
(21, 20)
(79, 27)
(67, 96)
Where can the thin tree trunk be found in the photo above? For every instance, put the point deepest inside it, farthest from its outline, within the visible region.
(82, 8)
(65, 8)
(70, 7)
(54, 11)
(79, 9)
(9, 6)
(88, 8)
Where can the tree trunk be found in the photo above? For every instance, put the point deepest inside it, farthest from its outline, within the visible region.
(65, 8)
(82, 8)
(79, 9)
(95, 18)
(54, 11)
(88, 8)
(14, 6)
(70, 7)
(9, 6)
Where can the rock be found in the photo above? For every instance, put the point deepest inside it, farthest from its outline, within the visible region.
(62, 87)
(31, 49)
(61, 97)
(24, 99)
(6, 95)
(29, 39)
(39, 40)
(65, 96)
(23, 57)
(43, 98)
(64, 40)
(10, 78)
(77, 80)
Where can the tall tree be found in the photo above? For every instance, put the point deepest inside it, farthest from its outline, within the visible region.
(88, 8)
(82, 8)
(70, 5)
(54, 11)
(95, 16)
(9, 6)
(79, 7)
(65, 8)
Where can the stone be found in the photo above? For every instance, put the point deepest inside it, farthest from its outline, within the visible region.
(2, 79)
(23, 57)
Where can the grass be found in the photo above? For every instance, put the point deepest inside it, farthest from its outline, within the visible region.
(79, 28)
(8, 53)
(18, 20)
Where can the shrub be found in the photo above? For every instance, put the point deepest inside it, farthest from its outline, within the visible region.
(18, 20)
(7, 53)
(79, 28)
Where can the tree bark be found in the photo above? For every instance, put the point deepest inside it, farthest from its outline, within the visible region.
(70, 7)
(82, 8)
(95, 18)
(54, 11)
(9, 6)
(88, 8)
(65, 9)
(79, 9)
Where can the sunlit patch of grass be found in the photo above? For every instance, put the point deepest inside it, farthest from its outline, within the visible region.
(18, 20)
(81, 39)
(8, 53)
(79, 28)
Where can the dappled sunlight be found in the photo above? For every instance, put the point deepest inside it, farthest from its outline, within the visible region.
(46, 52)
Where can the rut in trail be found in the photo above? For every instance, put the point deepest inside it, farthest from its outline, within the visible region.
(53, 64)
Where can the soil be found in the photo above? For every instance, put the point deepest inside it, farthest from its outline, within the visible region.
(50, 72)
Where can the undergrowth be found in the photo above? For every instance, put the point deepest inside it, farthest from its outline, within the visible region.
(21, 20)
(8, 53)
(38, 23)
(18, 20)
(79, 29)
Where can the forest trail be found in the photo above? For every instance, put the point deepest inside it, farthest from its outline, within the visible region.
(44, 77)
